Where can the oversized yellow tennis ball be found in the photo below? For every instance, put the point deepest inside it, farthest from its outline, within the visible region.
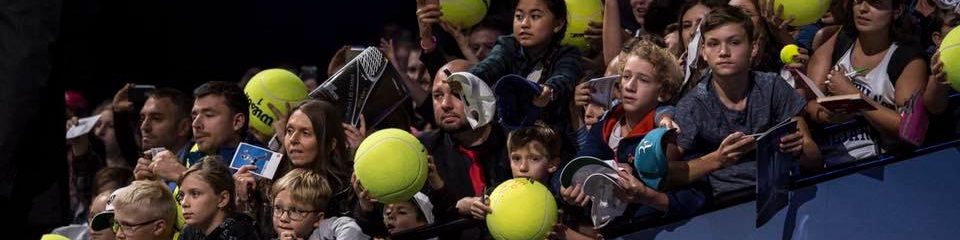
(579, 15)
(391, 164)
(950, 56)
(463, 13)
(805, 11)
(521, 209)
(272, 86)
(788, 52)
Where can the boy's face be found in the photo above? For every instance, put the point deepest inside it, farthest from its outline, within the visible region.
(295, 218)
(136, 224)
(727, 50)
(950, 21)
(639, 86)
(401, 216)
(592, 114)
(532, 161)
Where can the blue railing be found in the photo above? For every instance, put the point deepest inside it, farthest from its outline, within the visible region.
(805, 180)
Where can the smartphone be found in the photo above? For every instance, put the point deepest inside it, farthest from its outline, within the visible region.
(138, 95)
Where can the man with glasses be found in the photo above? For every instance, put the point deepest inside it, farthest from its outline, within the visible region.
(144, 210)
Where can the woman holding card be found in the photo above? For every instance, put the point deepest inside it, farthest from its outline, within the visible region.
(313, 138)
(872, 57)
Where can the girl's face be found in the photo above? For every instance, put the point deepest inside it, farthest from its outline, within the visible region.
(104, 129)
(873, 15)
(639, 86)
(300, 139)
(691, 19)
(639, 9)
(534, 24)
(200, 202)
(401, 216)
(290, 217)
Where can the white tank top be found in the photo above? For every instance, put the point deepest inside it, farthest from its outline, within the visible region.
(860, 142)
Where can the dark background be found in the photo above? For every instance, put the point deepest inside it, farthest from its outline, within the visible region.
(105, 43)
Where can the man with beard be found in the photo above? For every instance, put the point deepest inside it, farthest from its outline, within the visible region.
(469, 154)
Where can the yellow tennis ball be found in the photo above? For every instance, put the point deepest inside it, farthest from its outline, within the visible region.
(579, 14)
(463, 13)
(805, 11)
(950, 56)
(788, 52)
(272, 86)
(53, 236)
(391, 164)
(521, 209)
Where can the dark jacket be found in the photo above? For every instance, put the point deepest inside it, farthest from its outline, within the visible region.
(235, 226)
(561, 71)
(454, 167)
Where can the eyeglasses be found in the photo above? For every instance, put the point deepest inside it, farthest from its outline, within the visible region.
(293, 213)
(120, 227)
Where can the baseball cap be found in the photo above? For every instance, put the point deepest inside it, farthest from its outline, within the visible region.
(650, 159)
(104, 220)
(515, 96)
(426, 208)
(478, 100)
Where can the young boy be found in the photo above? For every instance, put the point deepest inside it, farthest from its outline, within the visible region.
(299, 200)
(650, 77)
(533, 152)
(717, 116)
(414, 213)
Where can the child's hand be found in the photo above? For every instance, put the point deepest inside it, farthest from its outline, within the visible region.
(792, 143)
(366, 202)
(800, 61)
(558, 232)
(546, 96)
(355, 135)
(288, 235)
(436, 181)
(667, 122)
(582, 94)
(733, 147)
(574, 195)
(631, 189)
(245, 183)
(473, 206)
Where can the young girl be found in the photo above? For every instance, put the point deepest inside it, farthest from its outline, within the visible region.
(208, 207)
(313, 138)
(875, 60)
(534, 52)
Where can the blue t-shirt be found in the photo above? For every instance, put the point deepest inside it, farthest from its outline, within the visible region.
(704, 123)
